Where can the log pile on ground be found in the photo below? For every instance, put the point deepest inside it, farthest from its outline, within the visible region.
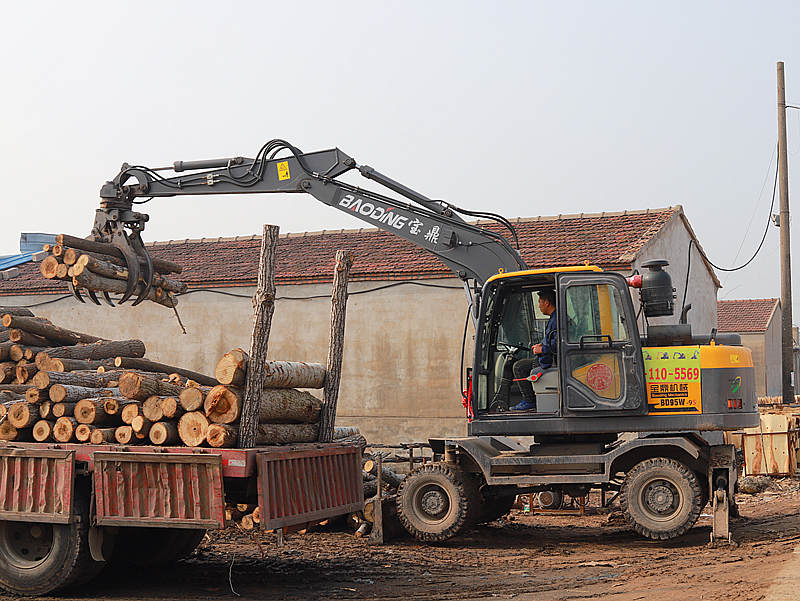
(100, 267)
(363, 521)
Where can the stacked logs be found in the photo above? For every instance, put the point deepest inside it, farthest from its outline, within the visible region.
(363, 521)
(100, 267)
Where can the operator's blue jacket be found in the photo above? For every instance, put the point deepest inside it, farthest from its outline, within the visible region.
(549, 343)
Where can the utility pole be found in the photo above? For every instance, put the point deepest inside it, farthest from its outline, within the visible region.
(787, 359)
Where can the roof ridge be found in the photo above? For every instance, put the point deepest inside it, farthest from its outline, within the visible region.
(747, 300)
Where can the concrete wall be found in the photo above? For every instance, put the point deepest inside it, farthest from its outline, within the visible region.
(672, 244)
(772, 355)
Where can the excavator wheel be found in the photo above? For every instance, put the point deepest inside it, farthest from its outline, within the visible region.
(661, 498)
(436, 500)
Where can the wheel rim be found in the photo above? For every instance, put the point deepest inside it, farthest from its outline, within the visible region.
(661, 499)
(431, 503)
(25, 545)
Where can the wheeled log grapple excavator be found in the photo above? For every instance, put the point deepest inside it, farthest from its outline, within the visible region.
(620, 410)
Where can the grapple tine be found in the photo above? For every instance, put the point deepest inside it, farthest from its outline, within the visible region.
(108, 299)
(147, 275)
(122, 242)
(92, 296)
(75, 292)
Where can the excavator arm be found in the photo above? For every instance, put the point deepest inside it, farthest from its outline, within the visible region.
(472, 252)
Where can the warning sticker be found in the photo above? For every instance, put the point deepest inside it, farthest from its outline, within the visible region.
(283, 170)
(673, 379)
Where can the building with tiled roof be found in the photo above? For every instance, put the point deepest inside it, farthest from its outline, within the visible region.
(758, 321)
(405, 316)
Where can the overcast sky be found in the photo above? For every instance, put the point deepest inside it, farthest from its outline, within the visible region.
(523, 108)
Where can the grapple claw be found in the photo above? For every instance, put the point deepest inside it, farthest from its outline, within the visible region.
(92, 296)
(108, 299)
(123, 242)
(147, 275)
(75, 292)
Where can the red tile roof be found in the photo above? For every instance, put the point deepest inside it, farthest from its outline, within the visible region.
(746, 315)
(610, 240)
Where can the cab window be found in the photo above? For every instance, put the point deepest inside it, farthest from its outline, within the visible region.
(595, 311)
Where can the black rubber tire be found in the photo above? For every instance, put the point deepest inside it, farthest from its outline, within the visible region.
(663, 481)
(154, 546)
(67, 562)
(495, 507)
(435, 501)
(550, 499)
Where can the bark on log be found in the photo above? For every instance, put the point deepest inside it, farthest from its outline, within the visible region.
(99, 350)
(47, 379)
(5, 348)
(4, 336)
(61, 364)
(193, 428)
(171, 408)
(222, 436)
(340, 432)
(138, 387)
(43, 431)
(64, 430)
(92, 411)
(124, 435)
(223, 404)
(344, 261)
(18, 388)
(45, 409)
(23, 415)
(8, 371)
(164, 433)
(147, 365)
(102, 248)
(274, 434)
(293, 374)
(231, 369)
(288, 406)
(65, 393)
(21, 311)
(92, 281)
(108, 269)
(192, 397)
(48, 331)
(26, 339)
(19, 352)
(26, 372)
(141, 425)
(62, 409)
(264, 307)
(130, 410)
(102, 435)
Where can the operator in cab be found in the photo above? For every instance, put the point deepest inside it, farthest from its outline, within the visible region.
(544, 354)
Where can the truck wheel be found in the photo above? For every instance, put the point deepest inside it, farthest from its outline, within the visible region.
(433, 501)
(153, 546)
(493, 508)
(37, 558)
(661, 498)
(550, 499)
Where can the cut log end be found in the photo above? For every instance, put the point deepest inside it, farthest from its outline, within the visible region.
(193, 428)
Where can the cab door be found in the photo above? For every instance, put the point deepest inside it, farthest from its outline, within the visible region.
(599, 350)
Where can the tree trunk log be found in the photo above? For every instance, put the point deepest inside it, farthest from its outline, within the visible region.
(192, 397)
(48, 331)
(124, 435)
(17, 388)
(102, 248)
(47, 379)
(64, 430)
(43, 431)
(26, 339)
(344, 261)
(193, 428)
(49, 267)
(92, 281)
(34, 395)
(264, 306)
(340, 432)
(92, 411)
(61, 364)
(388, 475)
(151, 408)
(45, 409)
(171, 408)
(8, 371)
(5, 350)
(221, 436)
(26, 372)
(147, 365)
(130, 410)
(102, 435)
(23, 415)
(99, 350)
(164, 433)
(141, 425)
(62, 409)
(110, 270)
(61, 393)
(21, 311)
(293, 374)
(138, 387)
(83, 433)
(275, 434)
(8, 432)
(223, 404)
(287, 405)
(231, 369)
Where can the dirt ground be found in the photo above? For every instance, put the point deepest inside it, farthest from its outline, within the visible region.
(527, 557)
